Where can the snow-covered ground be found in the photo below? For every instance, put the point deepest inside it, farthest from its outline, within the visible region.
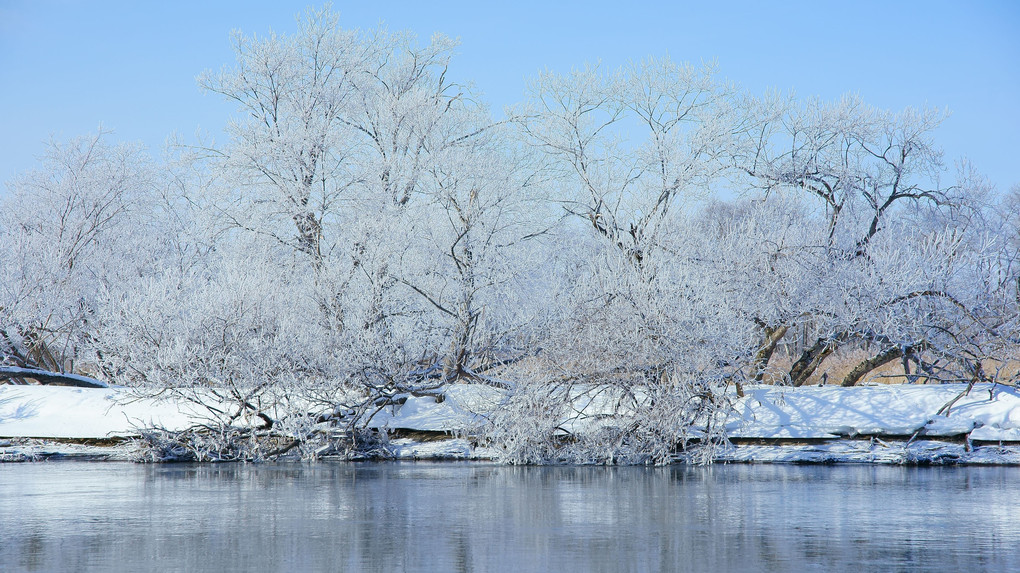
(881, 424)
(988, 412)
(84, 413)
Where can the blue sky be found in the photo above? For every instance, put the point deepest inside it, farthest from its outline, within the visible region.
(68, 66)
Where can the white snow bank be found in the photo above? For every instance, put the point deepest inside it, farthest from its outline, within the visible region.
(464, 407)
(892, 410)
(988, 413)
(66, 412)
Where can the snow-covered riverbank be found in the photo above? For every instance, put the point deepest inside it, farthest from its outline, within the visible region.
(876, 424)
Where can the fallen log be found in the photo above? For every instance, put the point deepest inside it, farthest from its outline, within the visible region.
(47, 377)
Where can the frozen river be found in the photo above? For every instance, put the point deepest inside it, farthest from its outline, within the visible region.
(76, 516)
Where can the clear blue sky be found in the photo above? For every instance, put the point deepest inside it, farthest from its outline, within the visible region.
(68, 66)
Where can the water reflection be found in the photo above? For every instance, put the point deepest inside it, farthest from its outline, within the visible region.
(476, 517)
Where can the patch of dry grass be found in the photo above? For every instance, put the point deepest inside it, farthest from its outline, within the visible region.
(841, 362)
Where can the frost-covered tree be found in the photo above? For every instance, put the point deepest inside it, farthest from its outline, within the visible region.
(481, 217)
(78, 224)
(290, 142)
(642, 353)
(632, 147)
(408, 207)
(867, 173)
(859, 162)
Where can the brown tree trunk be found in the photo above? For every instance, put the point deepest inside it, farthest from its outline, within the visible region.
(881, 359)
(870, 364)
(812, 358)
(764, 354)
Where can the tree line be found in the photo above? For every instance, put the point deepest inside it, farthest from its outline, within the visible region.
(616, 259)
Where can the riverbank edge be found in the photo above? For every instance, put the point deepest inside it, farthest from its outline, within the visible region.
(955, 424)
(874, 450)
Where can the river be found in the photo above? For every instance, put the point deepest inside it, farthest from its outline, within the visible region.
(78, 516)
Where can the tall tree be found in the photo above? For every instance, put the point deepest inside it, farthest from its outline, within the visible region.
(632, 147)
(77, 223)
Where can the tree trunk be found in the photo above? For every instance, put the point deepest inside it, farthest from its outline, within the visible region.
(309, 236)
(46, 377)
(812, 358)
(870, 364)
(882, 359)
(764, 354)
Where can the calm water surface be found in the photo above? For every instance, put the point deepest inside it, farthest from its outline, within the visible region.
(69, 516)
